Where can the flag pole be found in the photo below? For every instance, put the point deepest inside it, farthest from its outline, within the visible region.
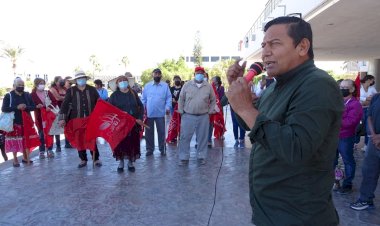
(93, 157)
(27, 155)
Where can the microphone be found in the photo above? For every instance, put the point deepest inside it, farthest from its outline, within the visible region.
(255, 69)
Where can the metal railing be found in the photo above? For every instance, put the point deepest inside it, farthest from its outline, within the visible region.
(269, 8)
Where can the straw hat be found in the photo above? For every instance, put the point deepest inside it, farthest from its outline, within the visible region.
(79, 74)
(112, 83)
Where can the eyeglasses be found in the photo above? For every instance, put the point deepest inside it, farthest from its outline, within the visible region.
(299, 15)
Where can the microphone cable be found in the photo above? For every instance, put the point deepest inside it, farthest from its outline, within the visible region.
(220, 168)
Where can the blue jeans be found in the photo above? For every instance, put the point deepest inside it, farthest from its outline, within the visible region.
(364, 120)
(346, 150)
(236, 127)
(210, 130)
(370, 173)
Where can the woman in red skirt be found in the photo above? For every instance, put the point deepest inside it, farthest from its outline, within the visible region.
(17, 101)
(127, 100)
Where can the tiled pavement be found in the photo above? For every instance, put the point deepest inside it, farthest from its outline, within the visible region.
(55, 192)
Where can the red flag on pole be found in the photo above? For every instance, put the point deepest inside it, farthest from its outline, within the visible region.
(174, 125)
(109, 122)
(218, 118)
(357, 85)
(32, 139)
(47, 121)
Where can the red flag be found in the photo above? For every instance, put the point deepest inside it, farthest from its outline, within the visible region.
(174, 125)
(32, 139)
(109, 122)
(218, 118)
(47, 120)
(357, 85)
(75, 132)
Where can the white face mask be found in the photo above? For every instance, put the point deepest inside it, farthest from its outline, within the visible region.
(41, 87)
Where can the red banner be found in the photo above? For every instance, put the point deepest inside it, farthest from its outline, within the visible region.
(357, 85)
(218, 118)
(32, 139)
(174, 125)
(47, 121)
(75, 132)
(109, 122)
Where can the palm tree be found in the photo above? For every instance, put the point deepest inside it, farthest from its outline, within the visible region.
(13, 54)
(125, 61)
(96, 65)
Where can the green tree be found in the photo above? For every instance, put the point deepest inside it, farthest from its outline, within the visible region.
(96, 65)
(125, 61)
(220, 69)
(13, 54)
(197, 50)
(169, 68)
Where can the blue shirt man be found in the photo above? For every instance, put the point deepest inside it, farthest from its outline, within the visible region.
(157, 100)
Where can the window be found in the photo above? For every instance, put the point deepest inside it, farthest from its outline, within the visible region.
(205, 59)
(225, 57)
(215, 58)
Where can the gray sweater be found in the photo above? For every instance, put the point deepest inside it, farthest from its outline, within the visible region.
(196, 100)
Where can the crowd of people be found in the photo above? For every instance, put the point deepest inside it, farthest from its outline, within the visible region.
(299, 120)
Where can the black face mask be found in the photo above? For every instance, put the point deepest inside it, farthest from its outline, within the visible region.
(345, 92)
(177, 83)
(157, 79)
(373, 83)
(62, 83)
(20, 89)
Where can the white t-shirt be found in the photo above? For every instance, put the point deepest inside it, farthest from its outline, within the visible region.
(363, 94)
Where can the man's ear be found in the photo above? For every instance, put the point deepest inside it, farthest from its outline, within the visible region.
(303, 47)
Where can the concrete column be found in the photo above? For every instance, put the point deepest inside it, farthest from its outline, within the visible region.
(374, 69)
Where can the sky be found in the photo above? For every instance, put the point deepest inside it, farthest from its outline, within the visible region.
(59, 36)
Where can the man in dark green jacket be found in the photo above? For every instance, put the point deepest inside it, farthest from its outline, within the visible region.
(294, 129)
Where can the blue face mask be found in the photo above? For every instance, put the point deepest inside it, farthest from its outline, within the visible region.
(81, 81)
(123, 84)
(199, 77)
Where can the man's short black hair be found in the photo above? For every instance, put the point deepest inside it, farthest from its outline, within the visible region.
(298, 29)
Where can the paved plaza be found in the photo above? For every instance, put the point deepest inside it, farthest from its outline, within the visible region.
(55, 192)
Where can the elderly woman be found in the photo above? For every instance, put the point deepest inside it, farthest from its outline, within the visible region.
(127, 100)
(350, 119)
(17, 101)
(41, 99)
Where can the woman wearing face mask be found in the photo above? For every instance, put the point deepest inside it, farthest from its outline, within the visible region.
(350, 119)
(127, 100)
(17, 101)
(367, 90)
(58, 91)
(41, 99)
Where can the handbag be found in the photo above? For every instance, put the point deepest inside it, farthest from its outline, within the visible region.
(56, 129)
(360, 129)
(6, 118)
